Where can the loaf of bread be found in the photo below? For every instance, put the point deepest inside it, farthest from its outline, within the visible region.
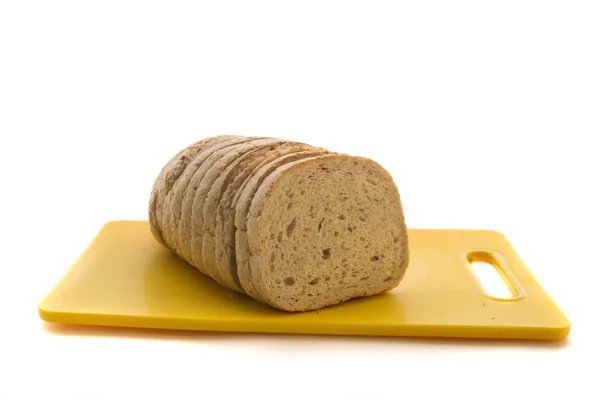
(290, 225)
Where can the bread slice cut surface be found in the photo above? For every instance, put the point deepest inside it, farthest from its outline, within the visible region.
(325, 230)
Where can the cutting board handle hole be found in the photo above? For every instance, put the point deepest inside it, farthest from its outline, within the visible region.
(491, 276)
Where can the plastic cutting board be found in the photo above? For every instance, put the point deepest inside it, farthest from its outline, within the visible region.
(125, 278)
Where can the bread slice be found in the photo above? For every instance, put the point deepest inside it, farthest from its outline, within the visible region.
(173, 197)
(325, 230)
(168, 176)
(175, 202)
(219, 248)
(194, 175)
(210, 172)
(239, 257)
(213, 197)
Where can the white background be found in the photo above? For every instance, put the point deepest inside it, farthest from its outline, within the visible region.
(487, 114)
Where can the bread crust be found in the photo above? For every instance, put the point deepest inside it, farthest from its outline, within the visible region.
(171, 207)
(167, 177)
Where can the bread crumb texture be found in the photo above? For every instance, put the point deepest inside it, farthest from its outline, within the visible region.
(299, 228)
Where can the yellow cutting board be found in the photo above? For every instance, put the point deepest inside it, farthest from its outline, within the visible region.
(125, 278)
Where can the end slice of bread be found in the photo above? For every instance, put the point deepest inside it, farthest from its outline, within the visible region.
(156, 188)
(325, 230)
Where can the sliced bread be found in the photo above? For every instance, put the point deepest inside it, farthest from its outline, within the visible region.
(240, 206)
(213, 197)
(324, 230)
(222, 245)
(210, 171)
(165, 181)
(175, 201)
(194, 176)
(172, 199)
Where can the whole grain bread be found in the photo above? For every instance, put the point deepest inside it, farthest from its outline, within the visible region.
(174, 205)
(213, 197)
(293, 226)
(221, 240)
(167, 177)
(195, 175)
(325, 230)
(241, 205)
(172, 201)
(156, 187)
(214, 169)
